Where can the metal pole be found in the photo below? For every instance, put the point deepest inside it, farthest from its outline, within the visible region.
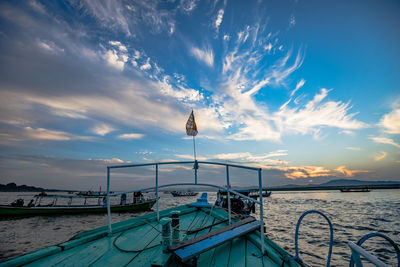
(196, 166)
(228, 192)
(108, 202)
(158, 211)
(194, 148)
(261, 211)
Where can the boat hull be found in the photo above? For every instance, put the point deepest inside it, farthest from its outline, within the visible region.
(9, 211)
(138, 242)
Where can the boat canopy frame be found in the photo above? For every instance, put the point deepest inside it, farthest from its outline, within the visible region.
(195, 164)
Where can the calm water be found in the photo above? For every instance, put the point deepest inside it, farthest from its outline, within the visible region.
(352, 215)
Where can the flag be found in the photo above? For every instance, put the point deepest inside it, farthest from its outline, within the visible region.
(191, 128)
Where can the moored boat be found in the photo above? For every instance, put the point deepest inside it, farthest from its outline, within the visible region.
(351, 190)
(183, 193)
(97, 205)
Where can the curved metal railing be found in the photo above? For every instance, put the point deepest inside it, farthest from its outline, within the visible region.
(365, 238)
(296, 237)
(195, 164)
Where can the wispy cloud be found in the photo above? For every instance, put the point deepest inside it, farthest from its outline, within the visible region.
(381, 156)
(129, 136)
(385, 140)
(353, 148)
(46, 134)
(103, 129)
(348, 173)
(298, 86)
(218, 21)
(206, 55)
(391, 122)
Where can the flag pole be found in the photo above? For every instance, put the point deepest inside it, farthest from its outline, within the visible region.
(194, 148)
(196, 166)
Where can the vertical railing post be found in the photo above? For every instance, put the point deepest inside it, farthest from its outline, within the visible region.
(108, 202)
(261, 211)
(158, 211)
(228, 193)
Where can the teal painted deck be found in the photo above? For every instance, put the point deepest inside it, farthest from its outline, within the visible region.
(127, 246)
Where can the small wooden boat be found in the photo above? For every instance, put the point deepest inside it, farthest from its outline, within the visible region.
(352, 190)
(51, 207)
(183, 193)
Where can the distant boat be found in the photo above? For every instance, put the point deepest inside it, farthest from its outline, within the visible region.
(183, 193)
(17, 208)
(351, 190)
(91, 193)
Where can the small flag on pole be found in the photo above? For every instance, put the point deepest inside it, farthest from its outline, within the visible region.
(191, 128)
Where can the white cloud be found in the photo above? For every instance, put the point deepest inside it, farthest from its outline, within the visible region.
(353, 148)
(381, 156)
(190, 157)
(298, 86)
(120, 46)
(146, 65)
(391, 122)
(50, 46)
(103, 129)
(260, 159)
(131, 136)
(206, 56)
(347, 132)
(115, 60)
(315, 114)
(180, 93)
(218, 21)
(45, 134)
(385, 140)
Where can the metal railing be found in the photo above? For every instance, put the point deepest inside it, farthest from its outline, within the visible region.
(357, 250)
(195, 164)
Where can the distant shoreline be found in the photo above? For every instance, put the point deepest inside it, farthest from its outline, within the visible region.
(334, 187)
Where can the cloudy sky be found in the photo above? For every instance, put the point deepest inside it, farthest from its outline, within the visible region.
(307, 90)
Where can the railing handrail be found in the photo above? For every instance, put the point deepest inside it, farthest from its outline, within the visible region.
(195, 162)
(296, 237)
(182, 162)
(368, 236)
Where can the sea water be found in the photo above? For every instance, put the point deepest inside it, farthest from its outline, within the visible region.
(352, 215)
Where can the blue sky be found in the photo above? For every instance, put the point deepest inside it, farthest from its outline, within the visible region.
(307, 90)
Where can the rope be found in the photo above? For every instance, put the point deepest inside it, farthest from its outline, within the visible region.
(140, 250)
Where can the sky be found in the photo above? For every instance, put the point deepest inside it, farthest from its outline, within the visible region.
(307, 90)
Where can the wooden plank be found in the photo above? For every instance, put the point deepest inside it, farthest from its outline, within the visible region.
(204, 258)
(253, 255)
(86, 255)
(221, 255)
(213, 233)
(32, 256)
(237, 256)
(211, 240)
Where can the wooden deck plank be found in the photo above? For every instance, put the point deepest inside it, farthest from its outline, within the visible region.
(253, 255)
(213, 233)
(221, 255)
(204, 258)
(237, 257)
